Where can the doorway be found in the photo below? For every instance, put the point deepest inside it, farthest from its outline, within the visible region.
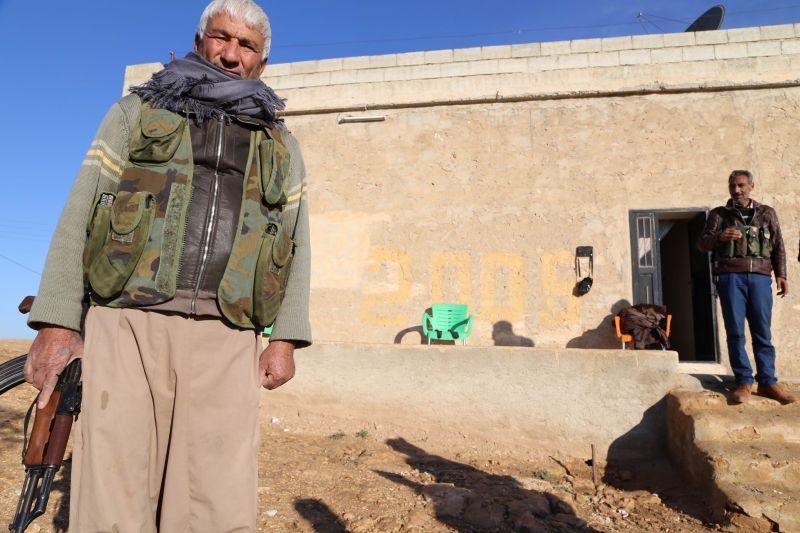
(669, 270)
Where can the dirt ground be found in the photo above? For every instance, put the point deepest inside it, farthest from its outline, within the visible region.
(316, 481)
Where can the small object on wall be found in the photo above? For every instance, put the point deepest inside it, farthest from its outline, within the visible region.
(353, 119)
(583, 255)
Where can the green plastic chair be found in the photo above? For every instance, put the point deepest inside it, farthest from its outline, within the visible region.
(447, 322)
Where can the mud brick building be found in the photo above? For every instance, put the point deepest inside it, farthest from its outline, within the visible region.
(473, 175)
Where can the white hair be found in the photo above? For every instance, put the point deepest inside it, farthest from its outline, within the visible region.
(245, 10)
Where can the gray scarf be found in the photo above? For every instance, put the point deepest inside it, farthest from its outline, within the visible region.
(194, 85)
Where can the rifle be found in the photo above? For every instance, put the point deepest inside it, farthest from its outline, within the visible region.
(43, 453)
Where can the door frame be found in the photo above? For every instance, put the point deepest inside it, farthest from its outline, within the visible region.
(656, 290)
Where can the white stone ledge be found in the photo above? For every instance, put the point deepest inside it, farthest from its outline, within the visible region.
(648, 41)
(526, 50)
(611, 44)
(739, 35)
(584, 46)
(635, 57)
(439, 85)
(327, 65)
(698, 53)
(496, 52)
(439, 56)
(467, 54)
(604, 59)
(764, 48)
(572, 61)
(556, 48)
(784, 31)
(730, 50)
(627, 51)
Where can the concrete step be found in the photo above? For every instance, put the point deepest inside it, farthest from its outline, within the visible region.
(756, 463)
(745, 457)
(778, 503)
(718, 397)
(745, 424)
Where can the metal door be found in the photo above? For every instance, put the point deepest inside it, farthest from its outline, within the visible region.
(646, 258)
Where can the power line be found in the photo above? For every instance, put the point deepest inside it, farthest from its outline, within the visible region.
(651, 22)
(744, 12)
(521, 31)
(19, 264)
(457, 36)
(639, 18)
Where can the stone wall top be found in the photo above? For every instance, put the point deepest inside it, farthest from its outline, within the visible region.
(599, 52)
(615, 63)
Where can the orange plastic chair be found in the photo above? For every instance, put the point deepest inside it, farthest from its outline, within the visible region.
(627, 340)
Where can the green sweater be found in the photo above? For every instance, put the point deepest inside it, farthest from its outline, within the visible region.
(61, 289)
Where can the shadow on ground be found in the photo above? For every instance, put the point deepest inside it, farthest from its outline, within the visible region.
(638, 461)
(319, 516)
(603, 336)
(468, 499)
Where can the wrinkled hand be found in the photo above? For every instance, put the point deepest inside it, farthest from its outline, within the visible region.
(783, 286)
(730, 234)
(276, 364)
(53, 348)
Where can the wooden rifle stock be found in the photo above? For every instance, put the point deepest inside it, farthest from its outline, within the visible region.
(44, 452)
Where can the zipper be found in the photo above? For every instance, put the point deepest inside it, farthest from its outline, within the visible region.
(211, 219)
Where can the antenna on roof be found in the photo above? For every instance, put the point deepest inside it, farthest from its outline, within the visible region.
(710, 20)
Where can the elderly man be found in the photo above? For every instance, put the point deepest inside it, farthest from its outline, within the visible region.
(745, 237)
(187, 233)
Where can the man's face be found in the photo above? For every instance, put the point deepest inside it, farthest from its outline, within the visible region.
(233, 46)
(740, 189)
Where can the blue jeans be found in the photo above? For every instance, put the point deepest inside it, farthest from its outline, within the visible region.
(748, 296)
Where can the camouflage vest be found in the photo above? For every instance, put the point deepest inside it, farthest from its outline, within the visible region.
(755, 242)
(135, 234)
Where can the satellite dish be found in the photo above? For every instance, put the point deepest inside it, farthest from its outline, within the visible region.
(710, 20)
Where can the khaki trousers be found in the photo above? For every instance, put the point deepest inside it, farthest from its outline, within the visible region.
(168, 435)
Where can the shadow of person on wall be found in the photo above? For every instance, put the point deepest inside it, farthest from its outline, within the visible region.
(503, 335)
(467, 499)
(603, 336)
(320, 516)
(638, 460)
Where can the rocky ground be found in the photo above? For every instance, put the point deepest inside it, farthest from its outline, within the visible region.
(313, 481)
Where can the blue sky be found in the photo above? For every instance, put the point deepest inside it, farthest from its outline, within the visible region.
(64, 63)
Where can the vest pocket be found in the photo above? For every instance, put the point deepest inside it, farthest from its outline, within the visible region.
(739, 247)
(157, 138)
(753, 241)
(97, 231)
(126, 237)
(272, 272)
(765, 238)
(275, 165)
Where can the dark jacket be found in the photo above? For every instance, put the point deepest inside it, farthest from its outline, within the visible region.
(220, 152)
(646, 324)
(726, 216)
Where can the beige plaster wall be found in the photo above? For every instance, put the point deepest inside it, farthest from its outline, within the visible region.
(486, 204)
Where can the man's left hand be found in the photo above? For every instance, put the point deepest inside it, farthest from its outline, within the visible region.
(276, 364)
(783, 286)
